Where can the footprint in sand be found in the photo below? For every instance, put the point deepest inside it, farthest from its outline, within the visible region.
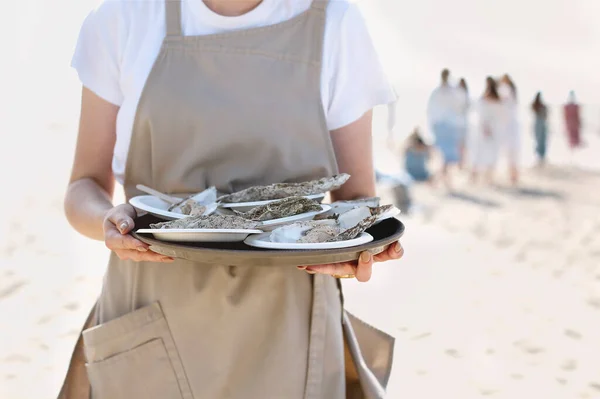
(421, 336)
(17, 358)
(72, 306)
(561, 381)
(594, 302)
(453, 353)
(10, 377)
(569, 365)
(517, 376)
(595, 386)
(45, 319)
(528, 347)
(11, 289)
(573, 334)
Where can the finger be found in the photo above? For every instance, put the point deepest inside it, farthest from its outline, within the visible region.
(365, 267)
(394, 251)
(128, 254)
(115, 240)
(122, 221)
(340, 269)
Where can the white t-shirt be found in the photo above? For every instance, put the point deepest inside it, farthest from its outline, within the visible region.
(120, 40)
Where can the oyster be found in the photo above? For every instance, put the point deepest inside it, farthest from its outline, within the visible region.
(355, 231)
(208, 222)
(340, 207)
(193, 204)
(280, 209)
(303, 231)
(284, 190)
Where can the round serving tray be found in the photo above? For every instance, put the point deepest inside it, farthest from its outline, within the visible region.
(240, 254)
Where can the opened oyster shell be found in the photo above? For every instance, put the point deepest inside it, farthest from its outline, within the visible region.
(284, 190)
(208, 222)
(340, 207)
(291, 206)
(309, 231)
(197, 204)
(346, 227)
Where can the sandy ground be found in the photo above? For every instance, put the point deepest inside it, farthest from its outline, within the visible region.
(499, 292)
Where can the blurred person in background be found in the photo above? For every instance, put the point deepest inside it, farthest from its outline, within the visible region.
(443, 111)
(511, 139)
(491, 126)
(540, 127)
(416, 156)
(463, 119)
(572, 116)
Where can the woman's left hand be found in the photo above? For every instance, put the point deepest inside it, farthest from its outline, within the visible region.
(363, 269)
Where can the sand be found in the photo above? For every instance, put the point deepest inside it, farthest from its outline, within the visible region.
(498, 294)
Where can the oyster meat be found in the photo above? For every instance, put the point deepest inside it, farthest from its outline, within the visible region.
(208, 222)
(291, 206)
(284, 190)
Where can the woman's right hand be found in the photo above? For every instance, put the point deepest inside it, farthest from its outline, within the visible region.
(118, 222)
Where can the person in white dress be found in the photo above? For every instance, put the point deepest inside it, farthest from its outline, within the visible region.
(492, 118)
(443, 110)
(511, 141)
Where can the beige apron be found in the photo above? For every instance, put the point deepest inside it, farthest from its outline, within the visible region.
(228, 110)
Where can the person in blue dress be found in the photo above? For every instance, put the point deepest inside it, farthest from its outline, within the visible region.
(540, 110)
(416, 157)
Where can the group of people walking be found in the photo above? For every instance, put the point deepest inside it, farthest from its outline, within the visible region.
(473, 134)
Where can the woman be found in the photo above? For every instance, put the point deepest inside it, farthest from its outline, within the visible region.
(573, 121)
(492, 116)
(463, 118)
(180, 96)
(442, 114)
(512, 136)
(540, 111)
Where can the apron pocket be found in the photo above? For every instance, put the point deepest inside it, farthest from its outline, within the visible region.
(143, 352)
(142, 372)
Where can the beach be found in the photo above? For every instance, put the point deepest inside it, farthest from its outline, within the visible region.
(498, 294)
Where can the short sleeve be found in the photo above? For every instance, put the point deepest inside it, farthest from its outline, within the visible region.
(357, 82)
(96, 57)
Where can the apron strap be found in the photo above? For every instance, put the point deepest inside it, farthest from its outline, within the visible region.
(173, 17)
(319, 5)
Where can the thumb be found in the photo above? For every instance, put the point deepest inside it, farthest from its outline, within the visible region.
(125, 224)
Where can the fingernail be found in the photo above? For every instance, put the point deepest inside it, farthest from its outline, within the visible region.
(309, 269)
(142, 249)
(169, 260)
(301, 267)
(397, 247)
(365, 257)
(123, 226)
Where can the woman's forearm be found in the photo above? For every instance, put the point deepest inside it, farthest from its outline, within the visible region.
(86, 203)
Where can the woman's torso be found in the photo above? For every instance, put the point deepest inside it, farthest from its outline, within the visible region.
(137, 30)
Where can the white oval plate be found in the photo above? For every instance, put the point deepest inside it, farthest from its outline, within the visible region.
(264, 241)
(246, 206)
(275, 223)
(199, 235)
(159, 208)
